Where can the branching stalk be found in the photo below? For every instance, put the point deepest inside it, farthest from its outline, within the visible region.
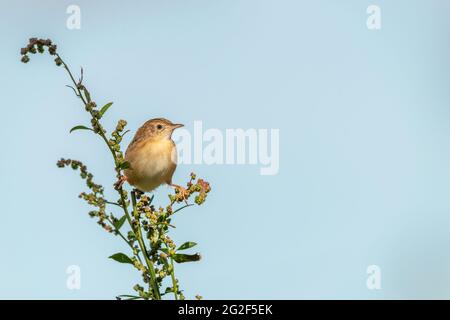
(156, 223)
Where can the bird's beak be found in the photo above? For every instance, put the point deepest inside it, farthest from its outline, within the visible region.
(176, 126)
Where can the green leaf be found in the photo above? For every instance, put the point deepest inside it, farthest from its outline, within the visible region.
(128, 296)
(124, 165)
(187, 245)
(120, 222)
(180, 258)
(105, 108)
(80, 128)
(122, 258)
(168, 290)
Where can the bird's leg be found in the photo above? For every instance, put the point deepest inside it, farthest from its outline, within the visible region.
(182, 193)
(138, 193)
(120, 182)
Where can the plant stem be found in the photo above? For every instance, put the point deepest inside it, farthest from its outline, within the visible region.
(124, 206)
(139, 237)
(174, 280)
(113, 203)
(124, 239)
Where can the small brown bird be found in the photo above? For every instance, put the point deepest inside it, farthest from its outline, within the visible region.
(152, 156)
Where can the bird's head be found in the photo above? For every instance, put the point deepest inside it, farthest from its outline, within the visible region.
(160, 128)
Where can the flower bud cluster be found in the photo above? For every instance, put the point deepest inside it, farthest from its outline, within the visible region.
(36, 45)
(95, 197)
(114, 143)
(201, 187)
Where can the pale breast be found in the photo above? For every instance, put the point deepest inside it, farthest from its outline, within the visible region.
(152, 164)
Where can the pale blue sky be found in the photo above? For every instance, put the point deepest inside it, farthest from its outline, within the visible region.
(364, 123)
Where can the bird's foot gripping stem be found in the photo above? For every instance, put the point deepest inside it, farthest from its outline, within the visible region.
(119, 183)
(181, 193)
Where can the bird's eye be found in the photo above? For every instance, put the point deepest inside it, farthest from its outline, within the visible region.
(159, 127)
